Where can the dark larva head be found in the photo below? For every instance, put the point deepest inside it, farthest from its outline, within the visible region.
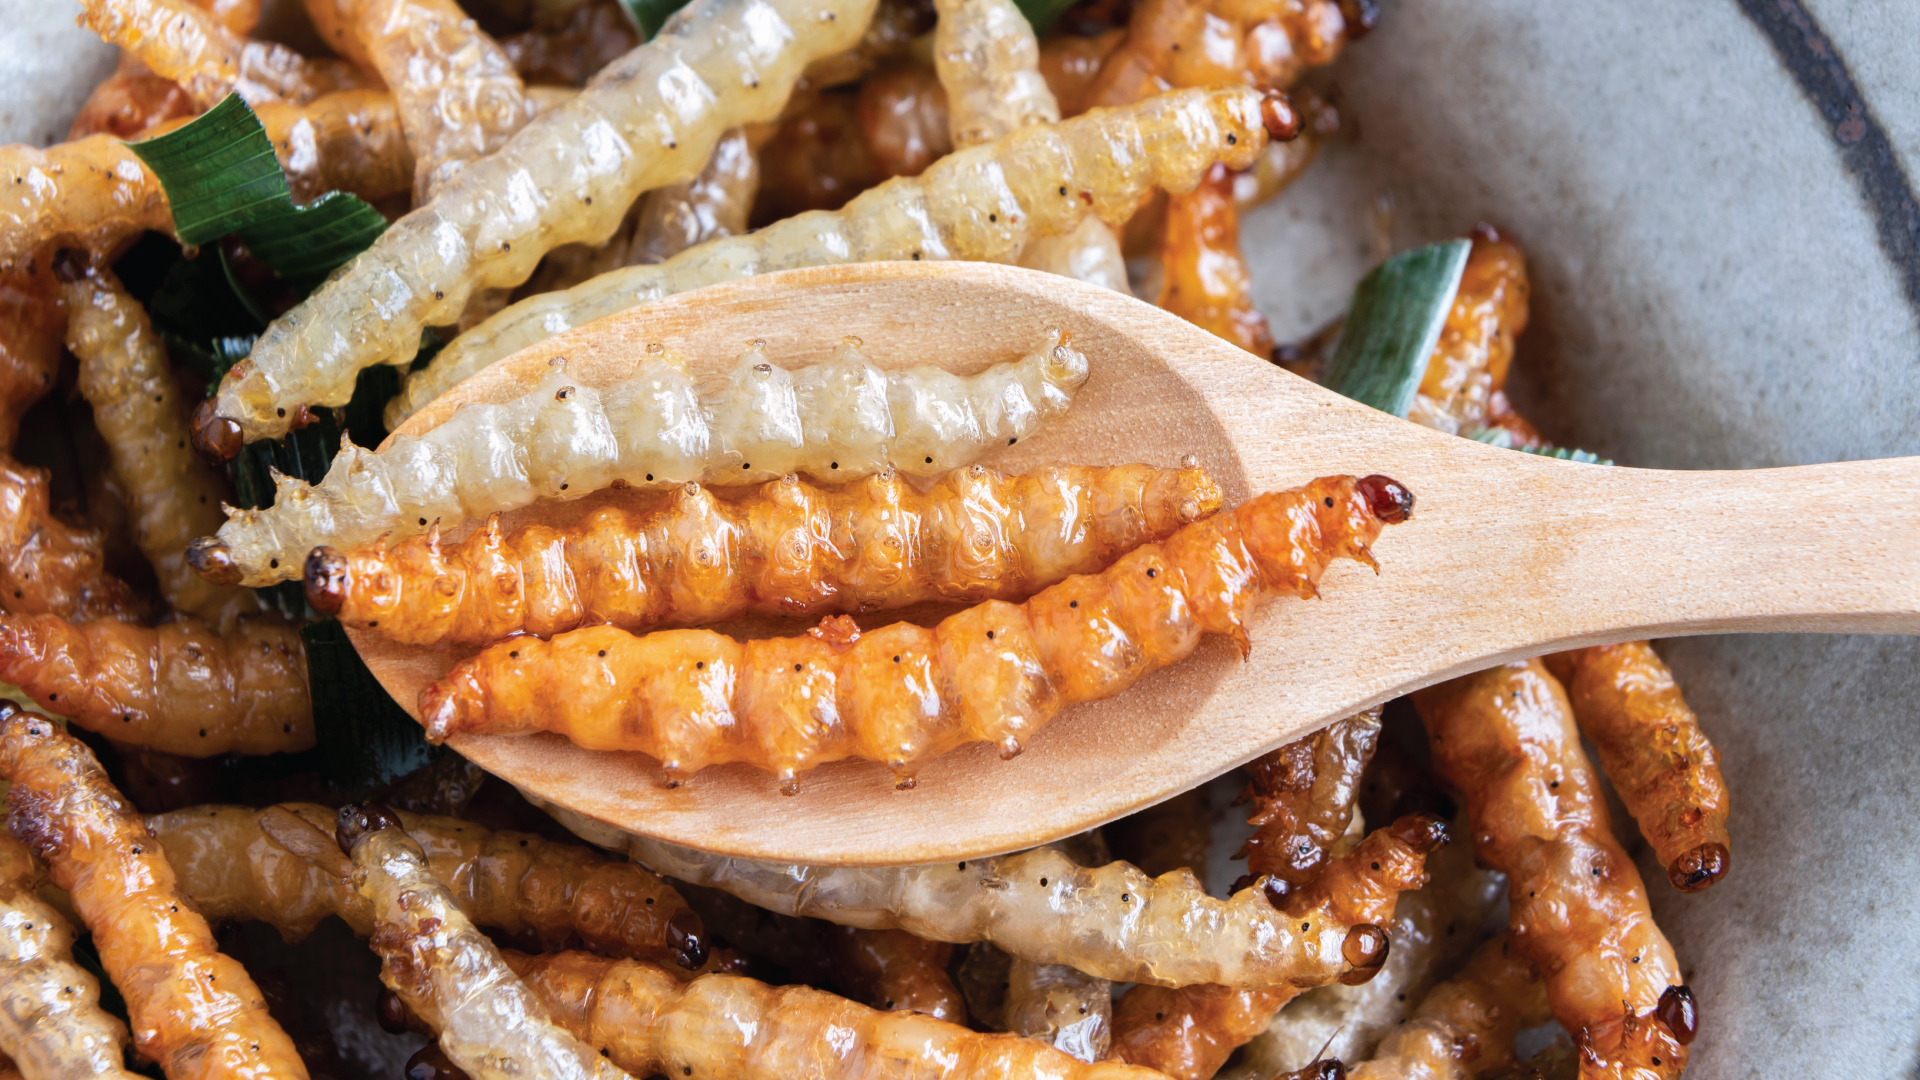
(391, 1013)
(215, 437)
(213, 560)
(1280, 117)
(360, 820)
(1678, 1012)
(1422, 831)
(1701, 867)
(1366, 950)
(326, 580)
(1389, 498)
(688, 936)
(1361, 16)
(432, 1063)
(1329, 1069)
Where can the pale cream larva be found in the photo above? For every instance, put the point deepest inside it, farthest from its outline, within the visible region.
(982, 204)
(648, 119)
(838, 420)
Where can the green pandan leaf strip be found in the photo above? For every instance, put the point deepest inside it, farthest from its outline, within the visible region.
(648, 16)
(1394, 323)
(1503, 439)
(365, 737)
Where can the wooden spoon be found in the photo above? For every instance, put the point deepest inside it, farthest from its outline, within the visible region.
(1508, 555)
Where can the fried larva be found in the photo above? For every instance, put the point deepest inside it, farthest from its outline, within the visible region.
(1303, 796)
(1650, 743)
(1060, 1006)
(447, 972)
(179, 687)
(185, 44)
(894, 971)
(193, 1009)
(1469, 365)
(345, 141)
(1505, 738)
(785, 548)
(1206, 280)
(51, 1023)
(32, 318)
(1090, 253)
(130, 102)
(903, 694)
(649, 119)
(1181, 43)
(903, 116)
(647, 1021)
(818, 157)
(1466, 1026)
(1187, 1033)
(173, 495)
(655, 428)
(46, 566)
(1167, 836)
(232, 865)
(91, 193)
(989, 62)
(713, 204)
(573, 48)
(457, 92)
(981, 204)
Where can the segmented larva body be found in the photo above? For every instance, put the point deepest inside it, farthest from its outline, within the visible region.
(904, 694)
(1063, 1007)
(655, 428)
(981, 204)
(91, 193)
(1206, 280)
(785, 548)
(1170, 835)
(989, 62)
(1183, 43)
(173, 495)
(1112, 921)
(1462, 388)
(51, 1023)
(1090, 253)
(188, 45)
(179, 687)
(1651, 746)
(129, 102)
(1467, 1026)
(650, 1023)
(692, 212)
(648, 120)
(491, 1025)
(565, 48)
(1505, 737)
(894, 971)
(48, 567)
(456, 90)
(31, 321)
(345, 141)
(1303, 796)
(192, 1008)
(1188, 1032)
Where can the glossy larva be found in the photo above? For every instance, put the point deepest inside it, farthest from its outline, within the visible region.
(988, 61)
(187, 44)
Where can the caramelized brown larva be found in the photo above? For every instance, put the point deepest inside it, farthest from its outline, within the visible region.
(179, 687)
(1181, 43)
(1463, 388)
(192, 1008)
(894, 971)
(1206, 280)
(32, 318)
(1167, 836)
(51, 1023)
(91, 193)
(713, 204)
(447, 972)
(48, 567)
(569, 50)
(1651, 746)
(1506, 739)
(1187, 1033)
(130, 102)
(650, 1023)
(173, 495)
(185, 44)
(1466, 1026)
(903, 694)
(785, 548)
(1303, 798)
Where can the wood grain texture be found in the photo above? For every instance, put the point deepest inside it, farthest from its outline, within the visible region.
(1507, 555)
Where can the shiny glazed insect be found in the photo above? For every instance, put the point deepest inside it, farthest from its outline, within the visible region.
(903, 694)
(786, 548)
(655, 428)
(188, 45)
(91, 193)
(1467, 1025)
(48, 567)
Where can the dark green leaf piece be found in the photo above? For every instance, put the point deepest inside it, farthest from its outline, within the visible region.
(365, 737)
(1393, 325)
(1042, 14)
(1503, 439)
(648, 16)
(222, 179)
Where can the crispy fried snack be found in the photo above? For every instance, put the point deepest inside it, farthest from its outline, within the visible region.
(1183, 43)
(446, 971)
(1466, 1026)
(92, 194)
(785, 548)
(1040, 181)
(1303, 796)
(174, 496)
(51, 1023)
(130, 102)
(456, 90)
(31, 319)
(894, 971)
(843, 419)
(650, 1023)
(989, 62)
(1188, 1032)
(1505, 738)
(1462, 389)
(179, 687)
(650, 119)
(1206, 278)
(46, 566)
(902, 110)
(573, 47)
(1167, 836)
(187, 45)
(713, 204)
(349, 140)
(193, 1009)
(1063, 1007)
(904, 694)
(232, 863)
(1651, 745)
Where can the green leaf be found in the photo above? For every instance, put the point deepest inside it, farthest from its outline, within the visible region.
(648, 16)
(1503, 439)
(222, 179)
(1393, 325)
(365, 737)
(1042, 14)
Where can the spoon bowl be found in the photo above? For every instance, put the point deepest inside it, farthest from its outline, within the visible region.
(1507, 555)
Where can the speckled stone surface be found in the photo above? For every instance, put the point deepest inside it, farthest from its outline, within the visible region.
(48, 65)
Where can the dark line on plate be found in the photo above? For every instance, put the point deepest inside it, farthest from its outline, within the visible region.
(1809, 54)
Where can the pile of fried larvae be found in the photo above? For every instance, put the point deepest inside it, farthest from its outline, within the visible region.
(151, 841)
